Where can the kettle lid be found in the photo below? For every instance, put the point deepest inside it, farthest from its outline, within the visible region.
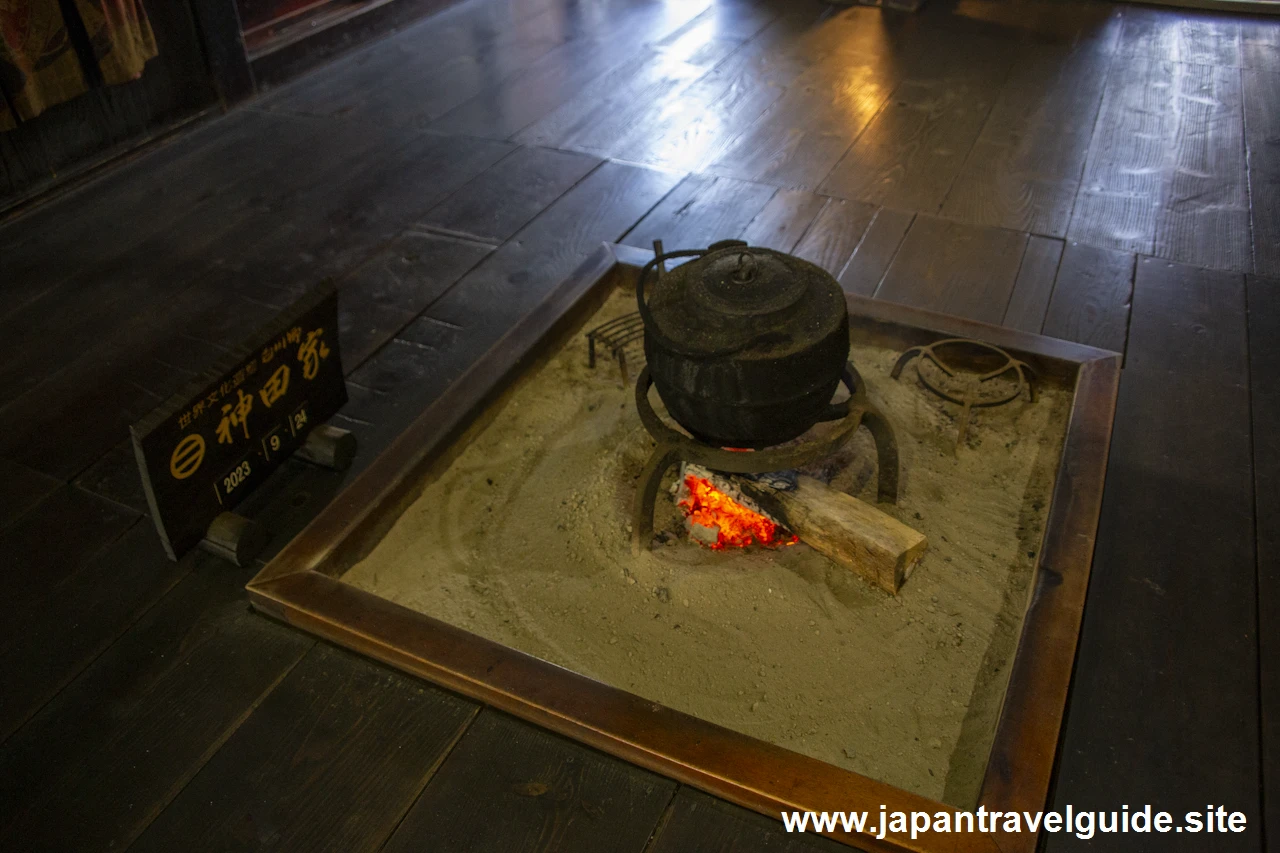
(744, 299)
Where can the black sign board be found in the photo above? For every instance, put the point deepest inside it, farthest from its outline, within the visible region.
(206, 449)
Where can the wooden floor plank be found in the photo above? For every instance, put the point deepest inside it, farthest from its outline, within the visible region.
(38, 543)
(358, 213)
(700, 211)
(506, 107)
(908, 157)
(48, 334)
(467, 320)
(879, 246)
(1264, 367)
(42, 427)
(835, 234)
(608, 108)
(20, 489)
(115, 477)
(801, 136)
(697, 823)
(331, 759)
(1178, 508)
(95, 766)
(1181, 36)
(1024, 170)
(553, 794)
(1204, 212)
(121, 379)
(381, 296)
(50, 641)
(965, 270)
(1260, 43)
(140, 198)
(784, 220)
(1262, 136)
(436, 63)
(689, 129)
(501, 200)
(1120, 193)
(241, 182)
(1091, 297)
(1034, 287)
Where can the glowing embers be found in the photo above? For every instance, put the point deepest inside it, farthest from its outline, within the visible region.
(719, 521)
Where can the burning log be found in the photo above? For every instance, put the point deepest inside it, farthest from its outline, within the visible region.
(850, 532)
(719, 516)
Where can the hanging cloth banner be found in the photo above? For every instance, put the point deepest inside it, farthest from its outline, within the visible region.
(40, 65)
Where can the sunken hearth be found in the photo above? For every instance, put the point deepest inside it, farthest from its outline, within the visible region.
(493, 549)
(527, 539)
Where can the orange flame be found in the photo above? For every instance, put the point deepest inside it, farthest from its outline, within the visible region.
(738, 526)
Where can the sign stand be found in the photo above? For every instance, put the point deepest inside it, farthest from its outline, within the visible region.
(212, 444)
(234, 538)
(329, 447)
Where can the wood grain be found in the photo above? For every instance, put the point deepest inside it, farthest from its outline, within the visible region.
(505, 197)
(802, 135)
(1133, 732)
(506, 107)
(331, 759)
(964, 270)
(437, 63)
(121, 381)
(39, 543)
(910, 154)
(850, 532)
(1260, 44)
(21, 489)
(690, 128)
(208, 169)
(107, 295)
(835, 234)
(1264, 398)
(1034, 286)
(1182, 36)
(131, 672)
(40, 654)
(117, 744)
(879, 246)
(1024, 169)
(381, 296)
(552, 794)
(1123, 183)
(1091, 297)
(784, 220)
(1262, 136)
(1204, 212)
(700, 211)
(608, 108)
(467, 320)
(697, 823)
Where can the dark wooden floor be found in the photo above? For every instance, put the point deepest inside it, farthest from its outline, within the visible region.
(1104, 173)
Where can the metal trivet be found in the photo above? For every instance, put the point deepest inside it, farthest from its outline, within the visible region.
(674, 446)
(617, 336)
(965, 388)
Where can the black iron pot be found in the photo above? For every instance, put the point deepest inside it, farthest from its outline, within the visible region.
(745, 345)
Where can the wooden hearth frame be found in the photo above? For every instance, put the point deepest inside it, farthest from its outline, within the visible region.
(302, 587)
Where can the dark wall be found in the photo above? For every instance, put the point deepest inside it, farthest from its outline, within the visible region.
(103, 122)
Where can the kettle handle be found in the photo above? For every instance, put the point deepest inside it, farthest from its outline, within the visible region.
(659, 257)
